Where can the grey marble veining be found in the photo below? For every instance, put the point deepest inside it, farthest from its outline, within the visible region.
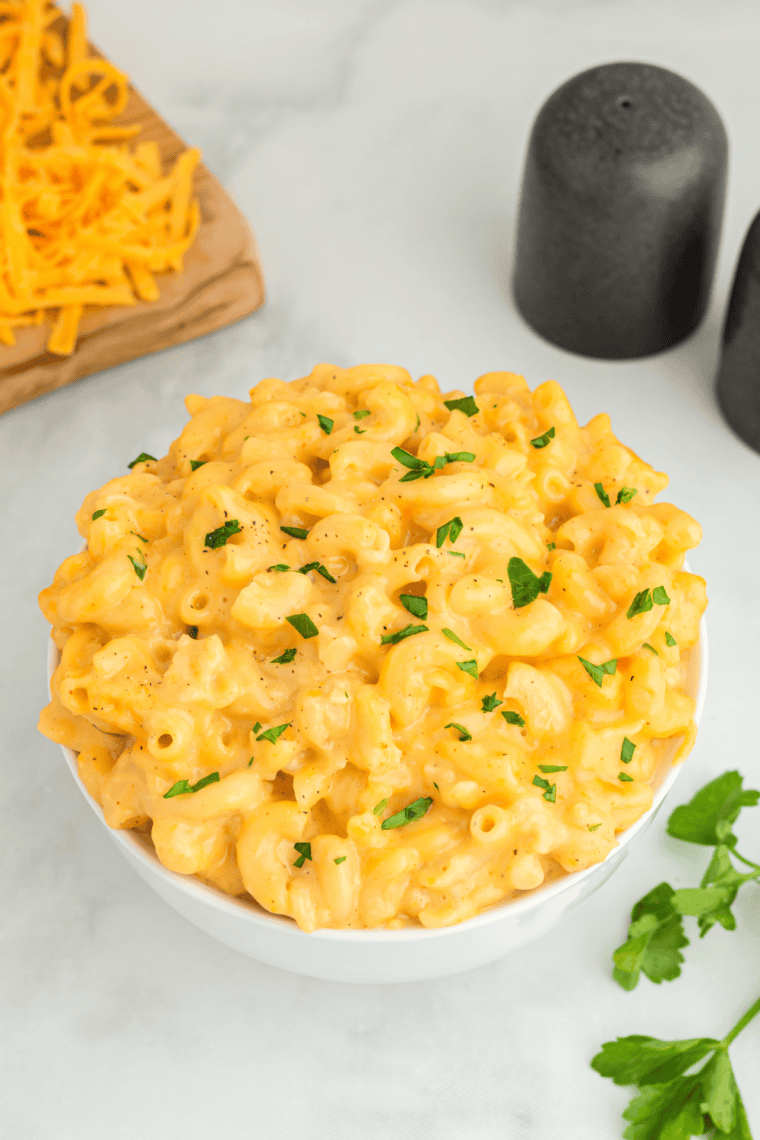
(376, 146)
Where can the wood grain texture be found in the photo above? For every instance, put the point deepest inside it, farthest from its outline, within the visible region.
(222, 281)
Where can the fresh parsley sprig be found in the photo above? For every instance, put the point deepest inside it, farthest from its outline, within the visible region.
(656, 934)
(672, 1103)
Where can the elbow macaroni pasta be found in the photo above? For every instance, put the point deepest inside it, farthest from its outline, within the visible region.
(233, 681)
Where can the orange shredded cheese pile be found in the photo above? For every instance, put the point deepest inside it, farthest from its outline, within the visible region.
(84, 220)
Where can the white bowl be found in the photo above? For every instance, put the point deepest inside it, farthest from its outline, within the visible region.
(385, 955)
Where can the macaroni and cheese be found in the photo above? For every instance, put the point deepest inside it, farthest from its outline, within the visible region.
(373, 655)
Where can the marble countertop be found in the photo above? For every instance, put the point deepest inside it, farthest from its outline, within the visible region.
(376, 146)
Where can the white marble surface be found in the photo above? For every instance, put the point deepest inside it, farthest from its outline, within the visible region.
(376, 145)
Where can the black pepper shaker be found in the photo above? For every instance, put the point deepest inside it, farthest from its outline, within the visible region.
(739, 372)
(620, 213)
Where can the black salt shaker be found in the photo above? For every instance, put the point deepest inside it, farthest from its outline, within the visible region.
(739, 371)
(620, 213)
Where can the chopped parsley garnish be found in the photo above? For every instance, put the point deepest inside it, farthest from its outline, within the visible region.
(219, 537)
(273, 734)
(641, 604)
(320, 569)
(551, 546)
(449, 633)
(295, 531)
(139, 567)
(543, 440)
(304, 625)
(526, 586)
(625, 778)
(402, 634)
(192, 631)
(490, 702)
(421, 469)
(280, 567)
(602, 494)
(625, 494)
(594, 826)
(256, 727)
(141, 537)
(362, 414)
(326, 424)
(451, 530)
(651, 648)
(360, 431)
(470, 667)
(196, 463)
(379, 807)
(340, 859)
(286, 657)
(463, 733)
(513, 718)
(547, 768)
(99, 514)
(627, 750)
(550, 790)
(183, 787)
(459, 457)
(660, 596)
(456, 553)
(414, 605)
(408, 814)
(143, 457)
(304, 852)
(596, 672)
(466, 404)
(670, 640)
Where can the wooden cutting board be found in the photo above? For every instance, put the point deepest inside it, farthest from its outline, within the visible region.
(222, 281)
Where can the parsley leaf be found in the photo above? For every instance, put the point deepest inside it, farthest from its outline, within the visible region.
(711, 902)
(286, 657)
(402, 634)
(640, 604)
(543, 440)
(304, 852)
(594, 826)
(547, 768)
(362, 414)
(416, 606)
(455, 553)
(304, 625)
(464, 734)
(646, 1061)
(526, 586)
(651, 648)
(273, 734)
(196, 463)
(183, 787)
(551, 546)
(326, 424)
(625, 778)
(451, 530)
(470, 667)
(99, 514)
(625, 494)
(340, 859)
(381, 806)
(359, 431)
(320, 569)
(140, 536)
(143, 457)
(490, 703)
(280, 567)
(513, 718)
(602, 494)
(655, 938)
(466, 404)
(597, 672)
(459, 457)
(660, 596)
(192, 631)
(412, 811)
(670, 640)
(418, 468)
(139, 567)
(216, 538)
(627, 750)
(449, 633)
(295, 531)
(550, 793)
(707, 818)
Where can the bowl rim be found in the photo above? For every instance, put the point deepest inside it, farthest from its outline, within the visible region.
(248, 910)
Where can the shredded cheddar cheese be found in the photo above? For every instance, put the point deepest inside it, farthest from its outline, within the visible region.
(84, 220)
